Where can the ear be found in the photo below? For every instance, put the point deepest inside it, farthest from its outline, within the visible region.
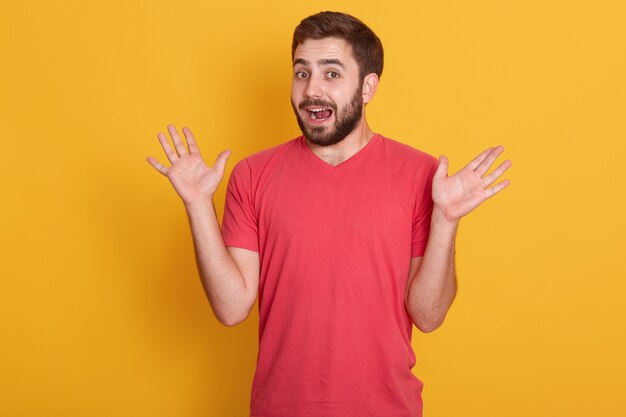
(370, 85)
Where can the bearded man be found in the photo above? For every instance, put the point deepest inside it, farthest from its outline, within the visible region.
(346, 237)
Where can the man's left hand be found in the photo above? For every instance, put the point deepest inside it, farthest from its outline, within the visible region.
(457, 195)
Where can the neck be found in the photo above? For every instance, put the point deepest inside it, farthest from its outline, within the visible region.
(344, 150)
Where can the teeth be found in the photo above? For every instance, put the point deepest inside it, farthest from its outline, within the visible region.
(315, 111)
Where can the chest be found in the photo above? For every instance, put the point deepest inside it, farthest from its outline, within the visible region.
(333, 204)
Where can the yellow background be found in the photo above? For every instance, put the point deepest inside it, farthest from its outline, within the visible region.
(101, 311)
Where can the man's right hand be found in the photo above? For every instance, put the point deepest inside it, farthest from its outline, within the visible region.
(192, 179)
(230, 276)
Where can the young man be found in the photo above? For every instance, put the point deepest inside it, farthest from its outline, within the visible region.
(347, 237)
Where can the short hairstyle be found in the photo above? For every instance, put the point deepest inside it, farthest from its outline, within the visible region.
(366, 46)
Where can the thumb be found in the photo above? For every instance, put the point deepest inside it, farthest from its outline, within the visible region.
(442, 169)
(220, 162)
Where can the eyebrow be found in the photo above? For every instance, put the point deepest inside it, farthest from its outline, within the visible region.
(328, 61)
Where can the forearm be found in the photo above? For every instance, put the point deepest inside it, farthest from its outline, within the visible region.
(221, 278)
(432, 286)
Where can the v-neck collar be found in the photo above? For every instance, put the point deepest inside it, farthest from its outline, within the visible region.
(358, 155)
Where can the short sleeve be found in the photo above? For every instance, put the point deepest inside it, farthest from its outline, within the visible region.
(240, 226)
(423, 210)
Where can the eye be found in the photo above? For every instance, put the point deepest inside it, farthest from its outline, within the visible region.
(301, 74)
(333, 74)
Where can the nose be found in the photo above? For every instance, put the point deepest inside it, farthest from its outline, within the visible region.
(313, 88)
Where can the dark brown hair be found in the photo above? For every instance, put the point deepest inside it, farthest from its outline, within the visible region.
(366, 47)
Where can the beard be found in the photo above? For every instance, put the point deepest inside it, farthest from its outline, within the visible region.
(345, 121)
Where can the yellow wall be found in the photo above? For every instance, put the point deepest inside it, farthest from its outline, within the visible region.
(102, 313)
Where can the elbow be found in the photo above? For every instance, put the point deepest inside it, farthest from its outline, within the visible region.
(231, 314)
(427, 320)
(428, 316)
(229, 322)
(232, 318)
(428, 325)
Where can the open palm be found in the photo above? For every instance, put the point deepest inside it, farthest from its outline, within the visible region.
(462, 192)
(192, 179)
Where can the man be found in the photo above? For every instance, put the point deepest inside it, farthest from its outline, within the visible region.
(347, 237)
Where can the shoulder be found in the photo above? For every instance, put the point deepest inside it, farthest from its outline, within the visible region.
(253, 165)
(263, 157)
(402, 155)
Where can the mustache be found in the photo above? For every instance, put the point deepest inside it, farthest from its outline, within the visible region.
(320, 103)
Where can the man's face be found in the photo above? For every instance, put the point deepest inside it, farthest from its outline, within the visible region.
(326, 90)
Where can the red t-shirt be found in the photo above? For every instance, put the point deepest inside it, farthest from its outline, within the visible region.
(335, 245)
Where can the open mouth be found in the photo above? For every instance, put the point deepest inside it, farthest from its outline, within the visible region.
(319, 114)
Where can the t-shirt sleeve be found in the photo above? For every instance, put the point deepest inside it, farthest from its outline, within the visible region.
(240, 226)
(423, 211)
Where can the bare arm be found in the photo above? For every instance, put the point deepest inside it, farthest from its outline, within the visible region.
(432, 278)
(230, 276)
(431, 285)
